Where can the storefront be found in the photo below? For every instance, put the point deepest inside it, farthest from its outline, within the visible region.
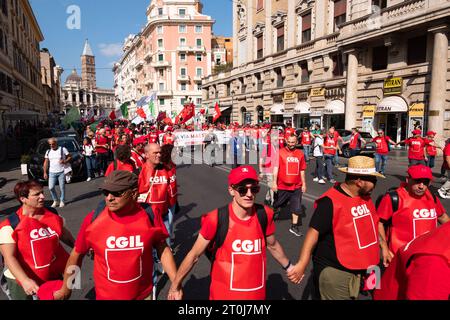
(368, 120)
(277, 113)
(392, 117)
(302, 113)
(334, 115)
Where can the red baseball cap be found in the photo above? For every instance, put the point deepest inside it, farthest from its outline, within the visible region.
(420, 172)
(46, 291)
(431, 133)
(416, 132)
(140, 140)
(242, 173)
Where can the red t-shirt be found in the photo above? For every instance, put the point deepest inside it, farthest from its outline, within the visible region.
(101, 141)
(431, 149)
(423, 275)
(120, 167)
(291, 164)
(239, 269)
(355, 143)
(289, 132)
(446, 154)
(416, 148)
(382, 144)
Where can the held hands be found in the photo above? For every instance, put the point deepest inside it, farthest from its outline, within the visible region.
(30, 287)
(274, 187)
(387, 256)
(62, 294)
(296, 273)
(175, 294)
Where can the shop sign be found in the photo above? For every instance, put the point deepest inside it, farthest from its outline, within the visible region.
(318, 92)
(267, 114)
(289, 95)
(334, 93)
(393, 86)
(417, 110)
(369, 112)
(316, 113)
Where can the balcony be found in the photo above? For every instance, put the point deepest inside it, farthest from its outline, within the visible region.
(187, 49)
(198, 78)
(183, 78)
(160, 64)
(148, 82)
(148, 56)
(165, 93)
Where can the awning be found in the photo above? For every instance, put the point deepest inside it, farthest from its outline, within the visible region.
(392, 104)
(335, 107)
(21, 115)
(277, 109)
(302, 108)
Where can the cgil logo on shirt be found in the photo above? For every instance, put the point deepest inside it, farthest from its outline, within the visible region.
(292, 159)
(360, 211)
(158, 180)
(124, 242)
(424, 213)
(41, 233)
(247, 246)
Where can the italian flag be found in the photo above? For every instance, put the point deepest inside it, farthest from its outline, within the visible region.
(120, 113)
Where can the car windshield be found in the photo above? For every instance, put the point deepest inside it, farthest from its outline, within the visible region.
(70, 145)
(366, 135)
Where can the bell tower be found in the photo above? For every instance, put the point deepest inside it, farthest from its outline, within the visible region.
(88, 68)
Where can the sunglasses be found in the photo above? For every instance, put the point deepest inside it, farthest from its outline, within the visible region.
(242, 190)
(426, 182)
(115, 194)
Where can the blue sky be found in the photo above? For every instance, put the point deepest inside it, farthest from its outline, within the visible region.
(106, 24)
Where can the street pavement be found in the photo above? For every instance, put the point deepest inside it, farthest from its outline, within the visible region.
(201, 190)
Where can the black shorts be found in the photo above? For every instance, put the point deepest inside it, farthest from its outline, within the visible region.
(282, 197)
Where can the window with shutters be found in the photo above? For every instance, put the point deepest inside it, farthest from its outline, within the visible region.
(306, 28)
(379, 58)
(259, 47)
(280, 38)
(340, 12)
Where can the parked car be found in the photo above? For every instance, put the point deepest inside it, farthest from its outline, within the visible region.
(35, 168)
(367, 150)
(68, 133)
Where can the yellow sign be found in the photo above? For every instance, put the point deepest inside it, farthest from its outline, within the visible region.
(318, 92)
(369, 112)
(393, 86)
(289, 95)
(267, 114)
(417, 110)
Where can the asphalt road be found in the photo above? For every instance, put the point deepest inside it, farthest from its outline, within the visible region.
(201, 189)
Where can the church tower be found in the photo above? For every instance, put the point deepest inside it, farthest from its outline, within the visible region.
(88, 68)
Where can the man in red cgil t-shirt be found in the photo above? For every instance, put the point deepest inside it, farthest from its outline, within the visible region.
(382, 150)
(417, 212)
(290, 182)
(416, 151)
(239, 266)
(122, 236)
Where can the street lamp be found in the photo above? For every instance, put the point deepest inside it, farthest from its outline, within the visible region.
(232, 102)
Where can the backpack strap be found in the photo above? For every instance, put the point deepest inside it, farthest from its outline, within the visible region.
(101, 206)
(148, 209)
(115, 164)
(14, 220)
(394, 200)
(223, 223)
(262, 218)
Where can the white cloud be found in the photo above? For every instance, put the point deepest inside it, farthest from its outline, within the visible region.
(111, 49)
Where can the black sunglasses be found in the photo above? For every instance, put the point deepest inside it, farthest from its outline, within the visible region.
(242, 190)
(426, 182)
(115, 194)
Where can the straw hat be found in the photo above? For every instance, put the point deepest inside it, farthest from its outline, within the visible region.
(361, 166)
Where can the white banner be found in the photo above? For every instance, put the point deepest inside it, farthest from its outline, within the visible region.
(193, 138)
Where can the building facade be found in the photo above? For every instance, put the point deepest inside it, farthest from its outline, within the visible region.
(21, 91)
(366, 64)
(222, 50)
(51, 82)
(82, 92)
(168, 58)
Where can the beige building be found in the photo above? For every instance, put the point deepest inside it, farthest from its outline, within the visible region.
(21, 91)
(82, 92)
(367, 64)
(51, 82)
(222, 50)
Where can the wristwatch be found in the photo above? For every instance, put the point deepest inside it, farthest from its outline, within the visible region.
(288, 266)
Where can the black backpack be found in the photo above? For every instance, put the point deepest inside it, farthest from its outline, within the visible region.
(223, 222)
(14, 219)
(393, 194)
(148, 209)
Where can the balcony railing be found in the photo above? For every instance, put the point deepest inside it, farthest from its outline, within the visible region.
(160, 64)
(183, 77)
(165, 93)
(139, 64)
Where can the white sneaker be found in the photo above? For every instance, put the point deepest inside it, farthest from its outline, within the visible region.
(316, 179)
(321, 181)
(88, 179)
(62, 205)
(55, 204)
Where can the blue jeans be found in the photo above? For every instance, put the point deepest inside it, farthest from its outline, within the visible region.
(380, 162)
(306, 151)
(168, 222)
(90, 166)
(336, 159)
(329, 164)
(414, 162)
(319, 168)
(431, 161)
(61, 178)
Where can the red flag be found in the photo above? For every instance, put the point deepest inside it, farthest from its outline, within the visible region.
(202, 111)
(112, 115)
(168, 121)
(186, 114)
(162, 115)
(141, 113)
(217, 113)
